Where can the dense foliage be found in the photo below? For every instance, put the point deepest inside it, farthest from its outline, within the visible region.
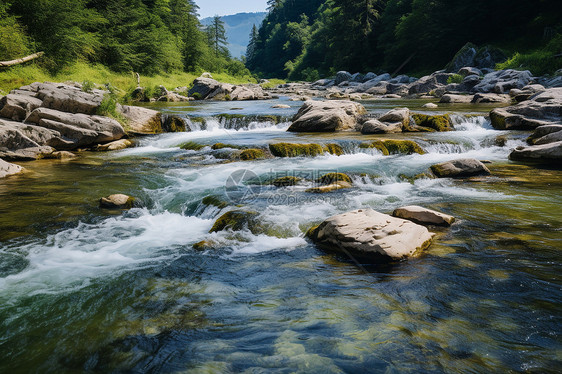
(144, 36)
(305, 39)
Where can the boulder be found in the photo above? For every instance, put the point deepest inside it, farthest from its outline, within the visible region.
(7, 169)
(375, 126)
(327, 116)
(401, 115)
(466, 167)
(545, 153)
(324, 82)
(342, 76)
(464, 57)
(374, 82)
(486, 98)
(248, 92)
(379, 89)
(542, 134)
(18, 107)
(237, 220)
(423, 216)
(357, 77)
(429, 83)
(543, 108)
(118, 201)
(77, 129)
(455, 99)
(203, 87)
(503, 81)
(469, 70)
(469, 82)
(173, 123)
(330, 187)
(24, 142)
(368, 234)
(141, 120)
(526, 92)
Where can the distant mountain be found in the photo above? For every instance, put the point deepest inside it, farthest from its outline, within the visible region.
(238, 28)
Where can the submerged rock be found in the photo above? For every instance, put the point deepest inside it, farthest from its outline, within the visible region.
(331, 178)
(423, 216)
(303, 150)
(339, 185)
(286, 181)
(117, 201)
(466, 167)
(7, 169)
(366, 233)
(327, 116)
(236, 220)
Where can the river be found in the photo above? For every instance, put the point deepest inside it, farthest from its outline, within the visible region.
(84, 290)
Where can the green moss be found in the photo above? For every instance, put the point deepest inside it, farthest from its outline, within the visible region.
(334, 178)
(296, 150)
(235, 220)
(174, 124)
(406, 147)
(222, 145)
(334, 149)
(286, 181)
(252, 154)
(312, 232)
(440, 122)
(196, 96)
(455, 78)
(230, 116)
(498, 120)
(214, 201)
(377, 144)
(192, 146)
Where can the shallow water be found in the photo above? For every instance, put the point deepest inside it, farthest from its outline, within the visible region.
(85, 290)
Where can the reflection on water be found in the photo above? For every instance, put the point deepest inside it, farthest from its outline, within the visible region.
(85, 290)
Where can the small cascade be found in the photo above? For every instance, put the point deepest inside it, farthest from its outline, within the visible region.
(237, 122)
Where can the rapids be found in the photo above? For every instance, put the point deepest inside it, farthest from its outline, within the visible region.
(83, 290)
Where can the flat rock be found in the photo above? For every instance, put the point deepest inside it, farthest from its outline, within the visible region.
(454, 99)
(375, 126)
(423, 216)
(466, 167)
(542, 132)
(503, 81)
(17, 107)
(367, 233)
(484, 98)
(548, 153)
(327, 116)
(115, 146)
(7, 169)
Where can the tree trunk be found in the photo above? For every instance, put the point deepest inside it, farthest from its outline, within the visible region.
(4, 64)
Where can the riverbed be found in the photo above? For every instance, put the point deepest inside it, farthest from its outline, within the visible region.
(85, 290)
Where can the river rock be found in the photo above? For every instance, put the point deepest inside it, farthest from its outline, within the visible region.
(543, 108)
(455, 99)
(548, 153)
(430, 106)
(248, 92)
(429, 83)
(374, 126)
(281, 106)
(366, 233)
(469, 70)
(342, 76)
(115, 146)
(7, 169)
(423, 216)
(141, 120)
(541, 135)
(77, 129)
(61, 155)
(486, 98)
(203, 87)
(374, 82)
(327, 116)
(118, 201)
(466, 167)
(23, 142)
(339, 185)
(503, 81)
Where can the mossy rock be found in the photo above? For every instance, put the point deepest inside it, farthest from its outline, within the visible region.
(252, 154)
(334, 178)
(192, 146)
(212, 200)
(412, 179)
(377, 144)
(312, 232)
(286, 181)
(333, 149)
(296, 150)
(330, 187)
(204, 245)
(174, 124)
(218, 146)
(236, 220)
(440, 122)
(406, 147)
(230, 116)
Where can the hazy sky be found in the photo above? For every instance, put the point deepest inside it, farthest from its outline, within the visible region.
(208, 8)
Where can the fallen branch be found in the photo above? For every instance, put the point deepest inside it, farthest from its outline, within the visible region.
(4, 64)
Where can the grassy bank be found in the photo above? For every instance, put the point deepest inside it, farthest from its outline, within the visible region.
(18, 76)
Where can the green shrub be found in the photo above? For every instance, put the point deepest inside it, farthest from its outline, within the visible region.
(455, 78)
(539, 62)
(88, 86)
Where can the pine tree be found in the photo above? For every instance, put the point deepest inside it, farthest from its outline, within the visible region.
(250, 51)
(216, 34)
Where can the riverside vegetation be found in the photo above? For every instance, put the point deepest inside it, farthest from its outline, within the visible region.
(332, 225)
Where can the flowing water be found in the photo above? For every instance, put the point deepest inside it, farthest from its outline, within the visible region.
(84, 290)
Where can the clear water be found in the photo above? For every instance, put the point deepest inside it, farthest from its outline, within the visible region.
(88, 291)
